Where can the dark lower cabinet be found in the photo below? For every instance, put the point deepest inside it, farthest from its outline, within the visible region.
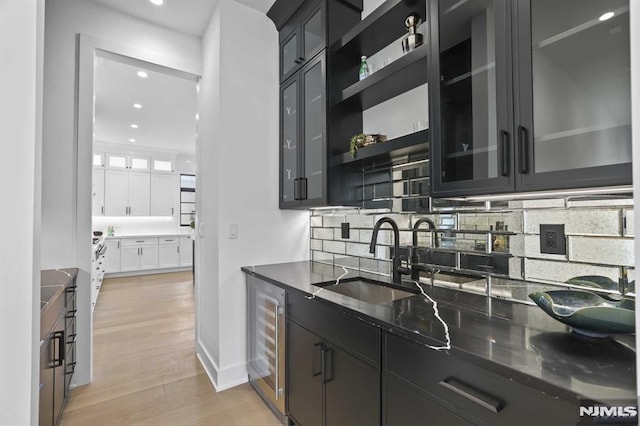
(327, 385)
(305, 376)
(352, 390)
(462, 391)
(405, 405)
(52, 375)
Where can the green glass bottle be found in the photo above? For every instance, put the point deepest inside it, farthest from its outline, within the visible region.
(364, 68)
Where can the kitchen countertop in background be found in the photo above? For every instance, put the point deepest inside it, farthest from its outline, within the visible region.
(515, 340)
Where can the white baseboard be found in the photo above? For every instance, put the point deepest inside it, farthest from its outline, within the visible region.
(221, 379)
(146, 272)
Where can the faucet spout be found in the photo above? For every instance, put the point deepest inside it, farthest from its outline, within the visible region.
(432, 226)
(397, 270)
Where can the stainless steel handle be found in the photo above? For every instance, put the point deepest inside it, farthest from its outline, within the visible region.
(102, 210)
(171, 211)
(118, 244)
(277, 358)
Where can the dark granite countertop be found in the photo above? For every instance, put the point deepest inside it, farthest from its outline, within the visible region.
(517, 341)
(52, 284)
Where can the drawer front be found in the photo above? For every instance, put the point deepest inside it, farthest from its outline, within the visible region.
(354, 335)
(171, 241)
(470, 391)
(139, 241)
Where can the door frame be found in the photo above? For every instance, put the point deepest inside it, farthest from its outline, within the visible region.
(89, 47)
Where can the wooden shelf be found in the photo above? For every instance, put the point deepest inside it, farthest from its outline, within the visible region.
(406, 73)
(380, 28)
(408, 144)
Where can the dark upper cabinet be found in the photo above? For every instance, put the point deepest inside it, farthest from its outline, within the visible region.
(529, 95)
(573, 93)
(302, 38)
(303, 137)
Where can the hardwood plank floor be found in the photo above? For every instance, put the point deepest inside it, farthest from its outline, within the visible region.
(145, 370)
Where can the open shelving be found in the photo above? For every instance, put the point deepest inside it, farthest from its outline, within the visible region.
(375, 31)
(404, 145)
(406, 73)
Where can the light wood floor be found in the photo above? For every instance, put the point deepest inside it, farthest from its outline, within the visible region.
(145, 369)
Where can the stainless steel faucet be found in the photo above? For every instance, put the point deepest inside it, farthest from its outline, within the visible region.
(398, 270)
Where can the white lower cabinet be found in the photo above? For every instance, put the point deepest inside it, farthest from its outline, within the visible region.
(130, 254)
(169, 252)
(186, 251)
(138, 254)
(112, 255)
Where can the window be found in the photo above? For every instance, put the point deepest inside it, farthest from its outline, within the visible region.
(187, 199)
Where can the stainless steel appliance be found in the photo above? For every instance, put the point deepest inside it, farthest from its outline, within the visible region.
(266, 346)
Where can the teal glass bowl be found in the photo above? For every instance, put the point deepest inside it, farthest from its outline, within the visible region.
(587, 313)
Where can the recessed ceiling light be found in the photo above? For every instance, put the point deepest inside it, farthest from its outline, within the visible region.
(197, 116)
(157, 2)
(132, 140)
(142, 74)
(134, 126)
(137, 106)
(606, 16)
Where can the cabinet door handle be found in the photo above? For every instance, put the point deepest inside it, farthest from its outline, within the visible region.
(296, 189)
(504, 147)
(171, 211)
(478, 397)
(58, 337)
(314, 371)
(303, 189)
(118, 244)
(301, 58)
(102, 210)
(523, 141)
(327, 365)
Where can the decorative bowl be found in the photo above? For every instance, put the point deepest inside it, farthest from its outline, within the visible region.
(588, 313)
(97, 233)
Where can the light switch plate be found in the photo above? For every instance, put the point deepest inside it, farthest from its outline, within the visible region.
(233, 231)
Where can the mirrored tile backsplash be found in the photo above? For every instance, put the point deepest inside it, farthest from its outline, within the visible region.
(496, 246)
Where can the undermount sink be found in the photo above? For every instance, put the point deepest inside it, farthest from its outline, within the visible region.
(367, 291)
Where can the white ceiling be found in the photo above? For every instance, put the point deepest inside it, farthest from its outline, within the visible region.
(169, 103)
(187, 16)
(167, 119)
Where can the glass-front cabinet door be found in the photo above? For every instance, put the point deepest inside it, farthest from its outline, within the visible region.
(573, 108)
(314, 181)
(289, 55)
(471, 108)
(313, 33)
(289, 135)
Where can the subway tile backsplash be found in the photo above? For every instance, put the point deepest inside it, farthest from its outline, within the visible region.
(599, 237)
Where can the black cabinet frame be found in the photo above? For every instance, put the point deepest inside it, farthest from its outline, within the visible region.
(515, 117)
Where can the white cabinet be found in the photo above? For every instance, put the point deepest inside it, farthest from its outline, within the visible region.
(97, 192)
(127, 162)
(129, 258)
(112, 256)
(149, 257)
(186, 251)
(127, 193)
(116, 193)
(138, 254)
(169, 252)
(164, 193)
(139, 194)
(162, 165)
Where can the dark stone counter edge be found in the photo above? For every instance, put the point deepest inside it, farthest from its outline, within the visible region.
(57, 278)
(421, 339)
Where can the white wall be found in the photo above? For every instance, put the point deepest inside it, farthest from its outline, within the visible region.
(21, 50)
(66, 188)
(238, 182)
(634, 7)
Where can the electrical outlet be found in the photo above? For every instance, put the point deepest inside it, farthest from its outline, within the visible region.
(552, 239)
(345, 230)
